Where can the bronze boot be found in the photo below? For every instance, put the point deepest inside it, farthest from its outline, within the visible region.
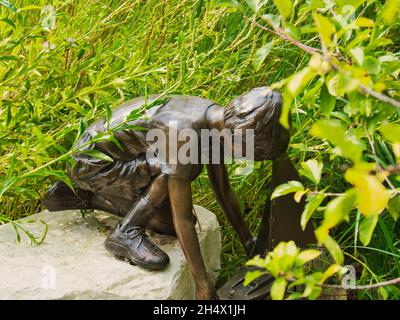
(61, 197)
(133, 244)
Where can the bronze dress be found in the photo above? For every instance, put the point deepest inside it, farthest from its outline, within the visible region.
(125, 180)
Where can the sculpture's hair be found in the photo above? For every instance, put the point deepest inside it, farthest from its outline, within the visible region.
(259, 109)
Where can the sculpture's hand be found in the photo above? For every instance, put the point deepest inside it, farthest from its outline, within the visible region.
(207, 293)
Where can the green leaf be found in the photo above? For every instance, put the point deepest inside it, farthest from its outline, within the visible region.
(325, 28)
(30, 7)
(129, 126)
(9, 22)
(81, 129)
(358, 55)
(382, 293)
(312, 170)
(333, 269)
(82, 126)
(261, 54)
(327, 101)
(284, 7)
(251, 276)
(60, 175)
(391, 10)
(7, 184)
(333, 131)
(310, 208)
(273, 20)
(287, 102)
(315, 293)
(98, 155)
(11, 166)
(299, 194)
(341, 84)
(299, 80)
(108, 116)
(135, 114)
(256, 5)
(311, 94)
(353, 3)
(285, 248)
(306, 256)
(391, 132)
(8, 58)
(286, 188)
(363, 22)
(338, 209)
(8, 5)
(294, 296)
(257, 261)
(292, 31)
(286, 263)
(372, 65)
(394, 207)
(278, 289)
(334, 249)
(228, 3)
(358, 105)
(371, 193)
(102, 137)
(367, 227)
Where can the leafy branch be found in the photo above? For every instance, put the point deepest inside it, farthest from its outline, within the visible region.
(17, 226)
(327, 57)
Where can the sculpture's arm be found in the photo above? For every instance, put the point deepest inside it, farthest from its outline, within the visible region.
(180, 195)
(227, 200)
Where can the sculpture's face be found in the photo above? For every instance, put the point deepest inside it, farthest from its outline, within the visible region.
(260, 110)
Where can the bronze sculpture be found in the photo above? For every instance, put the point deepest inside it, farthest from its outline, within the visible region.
(157, 195)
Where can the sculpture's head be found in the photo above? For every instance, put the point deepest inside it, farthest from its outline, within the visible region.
(259, 109)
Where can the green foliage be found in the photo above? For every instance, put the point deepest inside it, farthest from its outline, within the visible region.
(18, 227)
(334, 131)
(312, 170)
(286, 263)
(311, 206)
(289, 187)
(261, 54)
(336, 63)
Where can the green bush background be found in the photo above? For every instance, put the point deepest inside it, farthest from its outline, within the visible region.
(101, 53)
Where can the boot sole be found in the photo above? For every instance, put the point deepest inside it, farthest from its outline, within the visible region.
(121, 253)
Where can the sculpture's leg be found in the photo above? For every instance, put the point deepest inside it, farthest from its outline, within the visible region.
(130, 241)
(146, 207)
(161, 222)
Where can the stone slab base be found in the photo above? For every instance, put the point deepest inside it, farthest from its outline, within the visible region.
(72, 264)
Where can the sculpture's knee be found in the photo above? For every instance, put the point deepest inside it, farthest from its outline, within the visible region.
(158, 190)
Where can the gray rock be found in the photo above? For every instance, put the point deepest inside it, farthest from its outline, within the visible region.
(72, 264)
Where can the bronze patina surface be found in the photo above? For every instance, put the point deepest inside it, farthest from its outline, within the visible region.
(157, 195)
